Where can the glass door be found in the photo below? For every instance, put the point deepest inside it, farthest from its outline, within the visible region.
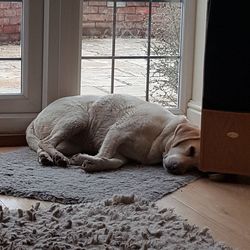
(139, 47)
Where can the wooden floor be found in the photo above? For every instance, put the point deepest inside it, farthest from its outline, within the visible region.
(222, 207)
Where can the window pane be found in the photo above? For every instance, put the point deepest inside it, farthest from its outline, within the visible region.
(131, 28)
(94, 46)
(166, 28)
(130, 77)
(97, 28)
(96, 77)
(164, 82)
(10, 77)
(12, 49)
(131, 46)
(10, 46)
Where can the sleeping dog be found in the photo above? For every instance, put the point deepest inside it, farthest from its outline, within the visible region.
(104, 133)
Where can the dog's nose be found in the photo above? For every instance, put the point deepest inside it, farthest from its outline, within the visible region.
(173, 168)
(168, 165)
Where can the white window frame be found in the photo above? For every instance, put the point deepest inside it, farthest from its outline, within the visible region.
(51, 61)
(17, 110)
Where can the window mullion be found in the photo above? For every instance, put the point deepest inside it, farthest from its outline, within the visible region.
(113, 47)
(148, 48)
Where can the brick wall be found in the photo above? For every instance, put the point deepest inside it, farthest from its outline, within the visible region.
(97, 19)
(10, 19)
(131, 18)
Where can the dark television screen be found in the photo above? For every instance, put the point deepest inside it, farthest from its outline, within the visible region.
(227, 56)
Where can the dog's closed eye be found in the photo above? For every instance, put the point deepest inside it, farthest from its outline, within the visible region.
(191, 151)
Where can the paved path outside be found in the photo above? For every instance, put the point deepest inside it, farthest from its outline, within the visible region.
(10, 71)
(130, 74)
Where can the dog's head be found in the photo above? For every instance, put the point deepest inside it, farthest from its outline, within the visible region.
(184, 153)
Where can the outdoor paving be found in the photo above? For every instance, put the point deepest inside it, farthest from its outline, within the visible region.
(10, 71)
(129, 75)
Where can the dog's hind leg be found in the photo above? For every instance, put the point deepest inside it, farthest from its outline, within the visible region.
(44, 158)
(48, 145)
(61, 133)
(33, 141)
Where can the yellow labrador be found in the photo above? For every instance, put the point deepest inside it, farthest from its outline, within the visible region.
(103, 133)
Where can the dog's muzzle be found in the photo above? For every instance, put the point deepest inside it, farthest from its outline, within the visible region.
(172, 167)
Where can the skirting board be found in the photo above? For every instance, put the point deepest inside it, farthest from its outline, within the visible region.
(15, 123)
(12, 140)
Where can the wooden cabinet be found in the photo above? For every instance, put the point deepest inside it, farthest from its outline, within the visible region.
(225, 142)
(225, 127)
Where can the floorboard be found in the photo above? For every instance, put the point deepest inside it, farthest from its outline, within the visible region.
(222, 207)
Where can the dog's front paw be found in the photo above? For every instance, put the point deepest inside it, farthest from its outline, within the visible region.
(77, 159)
(94, 164)
(45, 159)
(88, 166)
(60, 160)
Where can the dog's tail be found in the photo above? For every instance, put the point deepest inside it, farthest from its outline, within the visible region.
(31, 137)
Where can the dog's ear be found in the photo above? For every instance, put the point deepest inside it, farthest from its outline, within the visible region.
(185, 131)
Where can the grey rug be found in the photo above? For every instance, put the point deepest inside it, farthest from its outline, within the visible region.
(118, 223)
(21, 175)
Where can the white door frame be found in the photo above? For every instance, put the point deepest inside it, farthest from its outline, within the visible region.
(195, 104)
(62, 49)
(187, 54)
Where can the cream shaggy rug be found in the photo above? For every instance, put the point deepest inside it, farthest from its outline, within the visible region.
(119, 223)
